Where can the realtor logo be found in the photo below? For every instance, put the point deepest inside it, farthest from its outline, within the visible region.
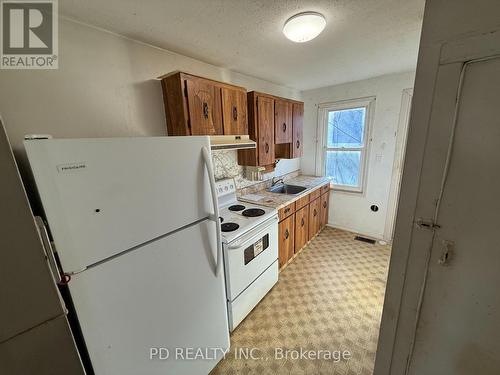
(29, 34)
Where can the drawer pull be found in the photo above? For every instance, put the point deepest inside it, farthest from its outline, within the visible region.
(302, 222)
(298, 144)
(324, 204)
(267, 147)
(235, 114)
(287, 209)
(314, 212)
(287, 234)
(284, 127)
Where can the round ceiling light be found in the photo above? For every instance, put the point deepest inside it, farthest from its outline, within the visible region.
(304, 26)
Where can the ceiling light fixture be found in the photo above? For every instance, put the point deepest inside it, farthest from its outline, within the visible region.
(304, 27)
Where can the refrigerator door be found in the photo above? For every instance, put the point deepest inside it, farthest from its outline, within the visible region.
(104, 196)
(163, 295)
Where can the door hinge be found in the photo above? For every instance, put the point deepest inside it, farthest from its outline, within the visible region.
(427, 224)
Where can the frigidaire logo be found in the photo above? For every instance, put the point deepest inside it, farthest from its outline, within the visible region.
(71, 167)
(29, 34)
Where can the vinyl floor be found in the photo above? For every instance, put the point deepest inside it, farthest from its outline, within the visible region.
(327, 303)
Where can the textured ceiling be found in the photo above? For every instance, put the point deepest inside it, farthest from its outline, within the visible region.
(362, 39)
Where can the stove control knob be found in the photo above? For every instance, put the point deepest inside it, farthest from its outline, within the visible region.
(225, 188)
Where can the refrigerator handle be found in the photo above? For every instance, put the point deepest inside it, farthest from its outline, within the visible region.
(215, 218)
(47, 247)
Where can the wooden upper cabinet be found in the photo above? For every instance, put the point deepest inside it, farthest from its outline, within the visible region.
(265, 123)
(260, 129)
(234, 111)
(204, 106)
(293, 147)
(282, 121)
(200, 106)
(298, 126)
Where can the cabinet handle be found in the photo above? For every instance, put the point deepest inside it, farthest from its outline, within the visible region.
(284, 127)
(302, 222)
(267, 147)
(298, 143)
(314, 212)
(205, 110)
(287, 234)
(324, 204)
(235, 113)
(287, 209)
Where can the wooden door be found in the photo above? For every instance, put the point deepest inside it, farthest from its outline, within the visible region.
(325, 198)
(297, 125)
(301, 228)
(234, 111)
(314, 217)
(286, 240)
(460, 303)
(204, 106)
(282, 121)
(265, 123)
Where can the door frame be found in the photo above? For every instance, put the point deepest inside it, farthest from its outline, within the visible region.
(397, 167)
(412, 243)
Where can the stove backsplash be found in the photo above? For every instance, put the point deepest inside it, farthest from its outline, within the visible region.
(226, 166)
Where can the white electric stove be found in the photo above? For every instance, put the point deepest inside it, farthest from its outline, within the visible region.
(250, 243)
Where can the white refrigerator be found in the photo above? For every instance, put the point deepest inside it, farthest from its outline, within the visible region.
(136, 231)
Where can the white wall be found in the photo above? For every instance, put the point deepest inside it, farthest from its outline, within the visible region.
(105, 87)
(351, 211)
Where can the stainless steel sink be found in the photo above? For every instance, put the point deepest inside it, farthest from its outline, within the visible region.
(286, 189)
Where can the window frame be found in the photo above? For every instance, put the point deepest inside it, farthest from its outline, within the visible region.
(323, 109)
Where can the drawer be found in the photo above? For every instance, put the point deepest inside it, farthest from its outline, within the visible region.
(301, 202)
(286, 211)
(325, 188)
(314, 195)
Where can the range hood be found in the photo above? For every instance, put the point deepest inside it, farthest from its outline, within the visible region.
(231, 142)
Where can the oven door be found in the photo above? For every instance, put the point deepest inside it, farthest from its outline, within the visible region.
(248, 256)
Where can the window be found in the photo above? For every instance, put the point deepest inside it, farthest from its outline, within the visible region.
(344, 134)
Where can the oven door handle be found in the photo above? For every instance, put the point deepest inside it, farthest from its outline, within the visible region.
(262, 228)
(215, 216)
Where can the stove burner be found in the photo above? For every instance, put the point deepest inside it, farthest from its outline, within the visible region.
(236, 207)
(252, 212)
(229, 227)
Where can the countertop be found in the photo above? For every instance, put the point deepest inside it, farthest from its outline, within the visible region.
(278, 200)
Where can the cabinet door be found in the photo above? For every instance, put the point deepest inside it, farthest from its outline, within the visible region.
(265, 123)
(297, 125)
(301, 228)
(286, 239)
(234, 111)
(325, 198)
(204, 106)
(282, 121)
(314, 215)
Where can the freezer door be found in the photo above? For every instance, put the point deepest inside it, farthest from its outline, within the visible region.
(162, 295)
(103, 196)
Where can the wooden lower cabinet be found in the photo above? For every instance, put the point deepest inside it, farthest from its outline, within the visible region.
(286, 229)
(314, 217)
(325, 198)
(301, 228)
(300, 221)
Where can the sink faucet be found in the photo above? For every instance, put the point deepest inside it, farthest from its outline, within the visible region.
(273, 182)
